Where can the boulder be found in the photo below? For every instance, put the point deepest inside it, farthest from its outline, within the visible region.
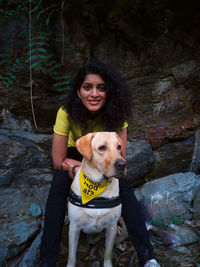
(169, 196)
(15, 234)
(171, 157)
(140, 160)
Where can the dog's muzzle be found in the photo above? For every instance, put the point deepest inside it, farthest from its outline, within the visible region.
(120, 170)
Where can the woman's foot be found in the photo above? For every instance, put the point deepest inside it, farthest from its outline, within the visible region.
(152, 263)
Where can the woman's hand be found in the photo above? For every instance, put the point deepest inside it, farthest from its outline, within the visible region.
(68, 165)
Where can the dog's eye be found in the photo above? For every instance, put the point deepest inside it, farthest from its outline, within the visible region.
(119, 147)
(102, 148)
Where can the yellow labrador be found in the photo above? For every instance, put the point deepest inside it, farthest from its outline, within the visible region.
(94, 202)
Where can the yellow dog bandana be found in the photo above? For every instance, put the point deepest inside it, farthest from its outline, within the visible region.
(89, 189)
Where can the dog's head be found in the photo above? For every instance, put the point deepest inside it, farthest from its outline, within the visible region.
(103, 150)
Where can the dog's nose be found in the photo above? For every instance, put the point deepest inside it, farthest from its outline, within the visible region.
(120, 164)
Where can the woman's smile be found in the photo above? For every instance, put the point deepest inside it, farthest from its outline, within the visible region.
(93, 93)
(94, 102)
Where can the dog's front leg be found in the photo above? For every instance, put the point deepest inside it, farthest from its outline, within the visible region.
(110, 237)
(74, 233)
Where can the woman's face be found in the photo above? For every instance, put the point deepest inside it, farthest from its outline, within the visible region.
(93, 93)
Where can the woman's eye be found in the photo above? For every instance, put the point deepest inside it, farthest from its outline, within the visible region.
(102, 148)
(102, 88)
(119, 147)
(86, 87)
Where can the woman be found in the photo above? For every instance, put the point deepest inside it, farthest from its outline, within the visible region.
(99, 101)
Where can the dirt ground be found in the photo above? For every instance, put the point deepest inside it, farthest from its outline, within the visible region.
(124, 255)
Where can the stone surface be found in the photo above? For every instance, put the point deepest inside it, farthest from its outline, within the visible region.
(182, 72)
(169, 196)
(195, 163)
(9, 122)
(159, 58)
(171, 157)
(140, 160)
(30, 257)
(197, 204)
(161, 135)
(185, 236)
(14, 235)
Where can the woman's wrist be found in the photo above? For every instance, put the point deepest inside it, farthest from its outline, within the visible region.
(61, 166)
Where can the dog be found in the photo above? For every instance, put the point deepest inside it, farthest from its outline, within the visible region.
(94, 202)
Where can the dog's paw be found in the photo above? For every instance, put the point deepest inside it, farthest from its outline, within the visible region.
(152, 263)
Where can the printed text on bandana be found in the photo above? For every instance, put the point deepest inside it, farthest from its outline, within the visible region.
(89, 189)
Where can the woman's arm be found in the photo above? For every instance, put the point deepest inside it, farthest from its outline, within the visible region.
(123, 135)
(59, 150)
(59, 154)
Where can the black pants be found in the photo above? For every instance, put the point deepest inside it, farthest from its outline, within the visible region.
(55, 214)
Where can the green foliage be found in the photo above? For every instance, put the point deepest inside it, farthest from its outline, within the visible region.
(162, 224)
(37, 54)
(159, 223)
(11, 68)
(67, 43)
(177, 220)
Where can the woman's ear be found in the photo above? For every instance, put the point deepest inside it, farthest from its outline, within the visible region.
(78, 93)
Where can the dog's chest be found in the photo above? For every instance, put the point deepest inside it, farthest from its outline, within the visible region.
(95, 224)
(93, 220)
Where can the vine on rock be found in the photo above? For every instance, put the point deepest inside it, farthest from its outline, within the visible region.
(36, 52)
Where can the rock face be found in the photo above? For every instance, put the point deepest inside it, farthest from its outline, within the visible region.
(155, 47)
(158, 59)
(170, 196)
(140, 159)
(15, 236)
(172, 157)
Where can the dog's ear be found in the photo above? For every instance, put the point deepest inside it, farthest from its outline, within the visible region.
(83, 145)
(123, 153)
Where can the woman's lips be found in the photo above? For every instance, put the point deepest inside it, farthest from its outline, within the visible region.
(94, 102)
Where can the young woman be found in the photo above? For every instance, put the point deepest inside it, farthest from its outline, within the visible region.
(98, 101)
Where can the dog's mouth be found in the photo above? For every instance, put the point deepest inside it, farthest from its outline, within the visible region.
(118, 170)
(117, 176)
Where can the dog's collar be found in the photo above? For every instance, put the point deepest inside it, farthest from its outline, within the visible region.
(97, 203)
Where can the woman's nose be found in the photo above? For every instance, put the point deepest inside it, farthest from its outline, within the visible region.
(95, 91)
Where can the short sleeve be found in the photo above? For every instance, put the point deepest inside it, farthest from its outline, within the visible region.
(125, 125)
(62, 123)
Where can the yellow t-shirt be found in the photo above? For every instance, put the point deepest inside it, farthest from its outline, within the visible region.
(64, 127)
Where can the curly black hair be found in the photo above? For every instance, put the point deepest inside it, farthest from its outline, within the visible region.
(117, 108)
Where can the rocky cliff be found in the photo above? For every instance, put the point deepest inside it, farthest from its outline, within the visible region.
(154, 45)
